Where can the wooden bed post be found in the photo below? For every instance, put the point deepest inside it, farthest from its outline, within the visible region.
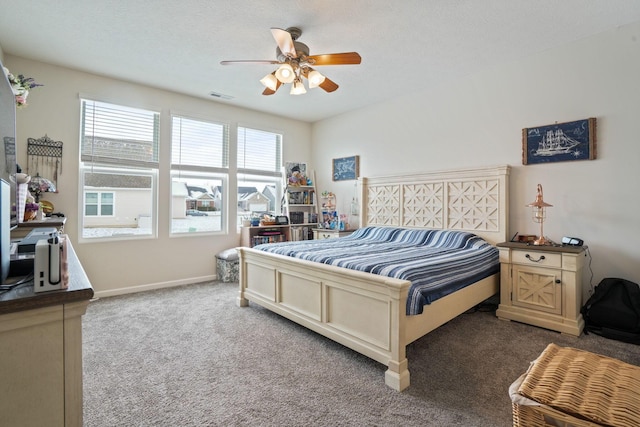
(397, 375)
(241, 300)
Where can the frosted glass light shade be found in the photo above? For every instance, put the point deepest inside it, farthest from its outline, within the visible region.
(270, 81)
(297, 88)
(315, 79)
(285, 73)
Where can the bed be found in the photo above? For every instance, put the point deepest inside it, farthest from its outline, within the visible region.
(368, 312)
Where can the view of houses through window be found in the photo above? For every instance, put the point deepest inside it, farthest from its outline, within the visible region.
(256, 198)
(199, 174)
(118, 170)
(120, 167)
(259, 173)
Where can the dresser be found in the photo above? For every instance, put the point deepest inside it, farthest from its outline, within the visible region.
(41, 352)
(542, 285)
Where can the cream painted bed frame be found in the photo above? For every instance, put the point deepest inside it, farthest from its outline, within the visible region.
(367, 312)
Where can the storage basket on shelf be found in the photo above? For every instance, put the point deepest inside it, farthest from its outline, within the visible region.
(570, 387)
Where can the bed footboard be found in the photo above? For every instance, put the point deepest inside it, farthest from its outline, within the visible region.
(364, 312)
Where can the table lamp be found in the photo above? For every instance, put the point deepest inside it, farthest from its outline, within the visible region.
(539, 214)
(39, 185)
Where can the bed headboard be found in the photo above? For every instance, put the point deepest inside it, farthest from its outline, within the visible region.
(474, 199)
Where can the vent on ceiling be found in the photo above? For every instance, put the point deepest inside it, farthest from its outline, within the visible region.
(220, 95)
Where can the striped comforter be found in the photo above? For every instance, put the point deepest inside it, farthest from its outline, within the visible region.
(437, 262)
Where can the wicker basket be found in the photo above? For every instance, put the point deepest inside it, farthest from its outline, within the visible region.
(566, 386)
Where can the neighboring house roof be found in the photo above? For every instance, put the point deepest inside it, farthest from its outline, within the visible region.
(247, 189)
(255, 195)
(107, 180)
(205, 197)
(194, 190)
(243, 192)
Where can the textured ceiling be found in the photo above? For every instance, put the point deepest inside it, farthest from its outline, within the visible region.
(406, 45)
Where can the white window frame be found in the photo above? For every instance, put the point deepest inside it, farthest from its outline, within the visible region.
(264, 175)
(100, 161)
(199, 170)
(99, 204)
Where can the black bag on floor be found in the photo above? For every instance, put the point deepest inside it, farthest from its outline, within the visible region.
(613, 311)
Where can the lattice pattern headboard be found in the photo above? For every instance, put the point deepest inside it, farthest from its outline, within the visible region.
(475, 200)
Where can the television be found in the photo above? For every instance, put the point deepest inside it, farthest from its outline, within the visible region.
(8, 165)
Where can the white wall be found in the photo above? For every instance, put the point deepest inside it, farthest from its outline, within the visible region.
(123, 266)
(474, 121)
(478, 120)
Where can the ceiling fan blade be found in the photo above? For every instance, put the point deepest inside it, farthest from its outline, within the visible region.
(328, 85)
(284, 41)
(268, 91)
(346, 58)
(249, 61)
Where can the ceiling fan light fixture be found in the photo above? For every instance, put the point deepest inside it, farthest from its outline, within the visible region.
(315, 79)
(285, 73)
(295, 64)
(270, 81)
(297, 88)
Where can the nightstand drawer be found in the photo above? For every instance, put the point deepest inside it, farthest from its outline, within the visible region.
(330, 234)
(543, 259)
(325, 235)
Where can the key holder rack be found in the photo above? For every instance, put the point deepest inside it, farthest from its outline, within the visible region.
(44, 157)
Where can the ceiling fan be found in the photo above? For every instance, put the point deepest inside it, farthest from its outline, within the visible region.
(295, 63)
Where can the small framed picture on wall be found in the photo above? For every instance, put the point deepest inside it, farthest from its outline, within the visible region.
(346, 168)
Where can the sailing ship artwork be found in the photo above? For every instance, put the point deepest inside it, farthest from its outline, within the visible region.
(559, 142)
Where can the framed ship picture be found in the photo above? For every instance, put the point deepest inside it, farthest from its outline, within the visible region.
(560, 142)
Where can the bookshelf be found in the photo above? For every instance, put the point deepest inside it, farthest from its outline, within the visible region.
(251, 236)
(300, 204)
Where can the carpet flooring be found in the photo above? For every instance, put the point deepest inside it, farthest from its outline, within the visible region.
(189, 356)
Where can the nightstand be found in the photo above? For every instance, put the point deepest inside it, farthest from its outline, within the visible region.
(542, 285)
(321, 233)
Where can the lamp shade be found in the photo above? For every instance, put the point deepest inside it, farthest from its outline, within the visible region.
(39, 185)
(539, 202)
(285, 73)
(315, 79)
(270, 81)
(298, 88)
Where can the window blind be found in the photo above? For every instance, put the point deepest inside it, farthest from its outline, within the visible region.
(259, 152)
(115, 134)
(199, 145)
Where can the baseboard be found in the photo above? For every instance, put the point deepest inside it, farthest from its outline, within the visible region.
(152, 286)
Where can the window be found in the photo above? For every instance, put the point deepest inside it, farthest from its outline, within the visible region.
(259, 172)
(98, 204)
(199, 173)
(118, 170)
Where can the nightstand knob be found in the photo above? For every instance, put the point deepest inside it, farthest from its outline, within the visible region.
(558, 281)
(535, 260)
